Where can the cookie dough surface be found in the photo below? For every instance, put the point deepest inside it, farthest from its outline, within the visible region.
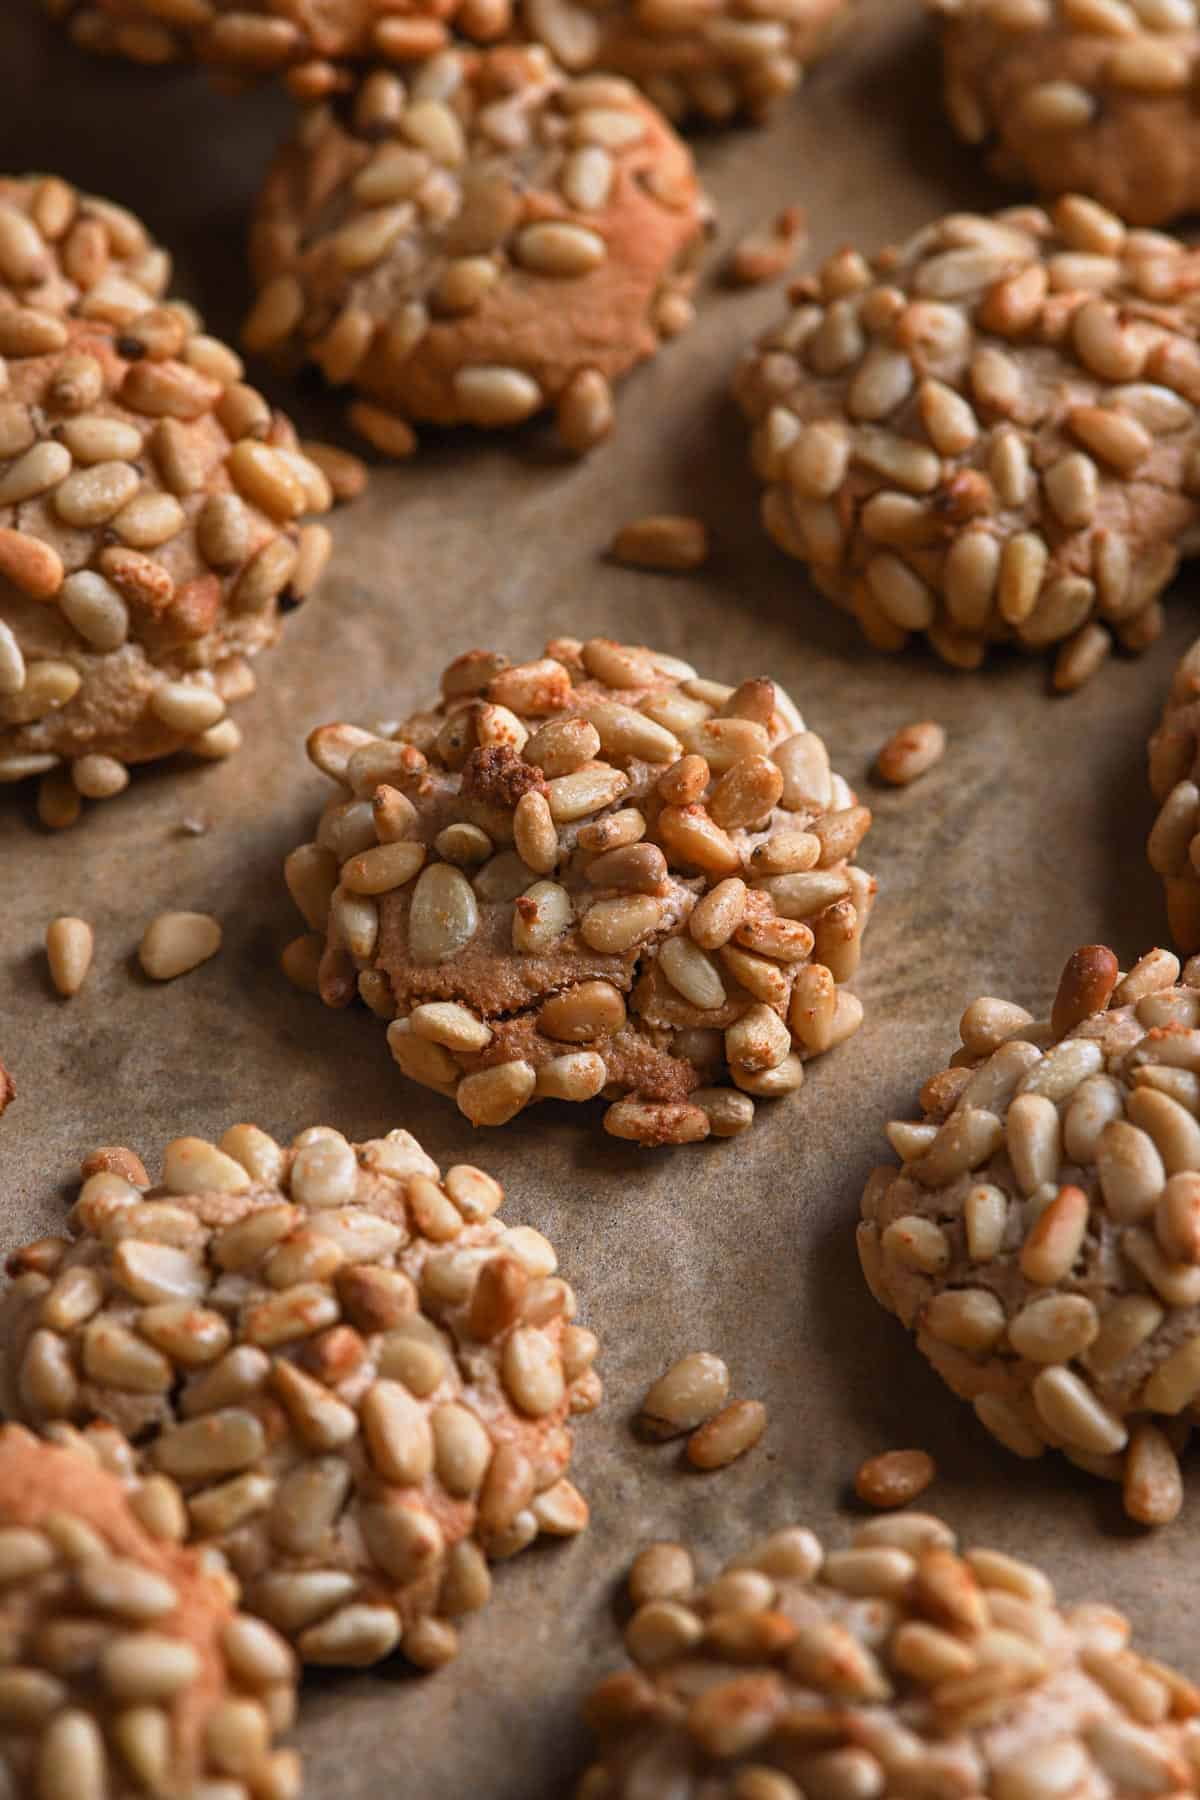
(151, 530)
(1042, 1238)
(595, 873)
(477, 242)
(1090, 96)
(988, 434)
(127, 1668)
(900, 1664)
(355, 1378)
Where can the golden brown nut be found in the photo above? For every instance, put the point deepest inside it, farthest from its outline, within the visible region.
(900, 1664)
(477, 243)
(1173, 848)
(71, 252)
(151, 523)
(988, 435)
(356, 1377)
(713, 61)
(127, 1669)
(1090, 96)
(1042, 1238)
(592, 874)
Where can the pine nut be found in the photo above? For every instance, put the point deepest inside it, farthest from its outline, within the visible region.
(175, 943)
(69, 947)
(728, 1435)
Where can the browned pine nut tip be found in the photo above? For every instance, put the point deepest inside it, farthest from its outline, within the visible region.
(912, 751)
(661, 866)
(418, 244)
(1042, 1237)
(712, 67)
(176, 942)
(662, 541)
(727, 1435)
(968, 495)
(69, 946)
(1085, 985)
(800, 1663)
(148, 496)
(400, 1363)
(691, 1391)
(125, 1650)
(1076, 121)
(115, 1159)
(894, 1478)
(767, 254)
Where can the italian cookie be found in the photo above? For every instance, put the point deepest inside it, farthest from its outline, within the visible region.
(1092, 96)
(988, 435)
(68, 252)
(152, 531)
(352, 1378)
(899, 1665)
(476, 243)
(712, 61)
(1174, 844)
(592, 874)
(127, 1668)
(1042, 1238)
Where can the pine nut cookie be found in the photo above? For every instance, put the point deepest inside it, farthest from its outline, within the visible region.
(70, 252)
(352, 1376)
(592, 874)
(711, 61)
(901, 1665)
(477, 242)
(988, 435)
(127, 1668)
(1174, 843)
(1042, 1238)
(151, 535)
(1087, 95)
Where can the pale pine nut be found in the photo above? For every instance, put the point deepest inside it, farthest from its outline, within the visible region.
(69, 946)
(175, 943)
(728, 1435)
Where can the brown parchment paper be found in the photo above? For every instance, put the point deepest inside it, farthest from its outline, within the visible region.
(1027, 840)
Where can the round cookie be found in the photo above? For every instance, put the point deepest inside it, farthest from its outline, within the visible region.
(477, 242)
(1086, 95)
(1042, 1239)
(127, 1670)
(730, 57)
(356, 1376)
(151, 534)
(1174, 842)
(900, 1665)
(988, 435)
(591, 874)
(69, 252)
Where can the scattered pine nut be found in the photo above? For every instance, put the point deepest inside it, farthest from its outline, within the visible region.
(662, 541)
(69, 946)
(894, 1478)
(384, 431)
(691, 1391)
(911, 752)
(662, 1571)
(177, 942)
(767, 254)
(736, 1429)
(346, 474)
(301, 961)
(115, 1159)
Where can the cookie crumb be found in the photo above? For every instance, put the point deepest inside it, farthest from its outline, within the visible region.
(912, 751)
(734, 1430)
(894, 1478)
(662, 541)
(768, 253)
(70, 943)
